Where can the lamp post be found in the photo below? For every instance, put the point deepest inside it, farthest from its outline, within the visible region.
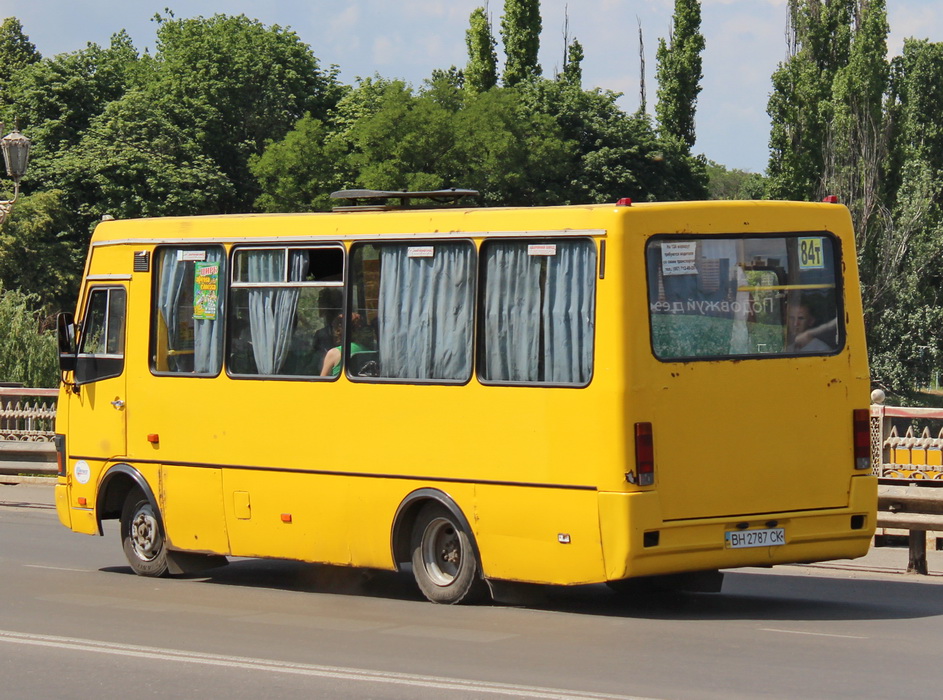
(16, 156)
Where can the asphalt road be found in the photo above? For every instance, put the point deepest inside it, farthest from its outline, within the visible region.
(76, 623)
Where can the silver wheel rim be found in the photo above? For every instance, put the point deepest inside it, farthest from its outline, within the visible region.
(145, 538)
(441, 551)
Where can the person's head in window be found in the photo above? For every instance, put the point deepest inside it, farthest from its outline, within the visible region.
(801, 327)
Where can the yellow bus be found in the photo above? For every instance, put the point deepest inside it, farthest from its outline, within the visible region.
(561, 395)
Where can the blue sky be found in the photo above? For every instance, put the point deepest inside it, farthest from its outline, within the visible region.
(409, 38)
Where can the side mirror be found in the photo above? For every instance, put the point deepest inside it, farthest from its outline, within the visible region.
(65, 327)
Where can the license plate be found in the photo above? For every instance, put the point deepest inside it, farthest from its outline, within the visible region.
(771, 537)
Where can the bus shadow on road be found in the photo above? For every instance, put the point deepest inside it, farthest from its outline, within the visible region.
(746, 595)
(751, 596)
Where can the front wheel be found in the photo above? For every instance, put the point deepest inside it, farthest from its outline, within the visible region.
(141, 536)
(444, 562)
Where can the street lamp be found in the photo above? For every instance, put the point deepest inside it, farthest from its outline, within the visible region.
(16, 156)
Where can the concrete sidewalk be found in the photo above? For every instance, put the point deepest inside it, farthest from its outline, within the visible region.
(879, 561)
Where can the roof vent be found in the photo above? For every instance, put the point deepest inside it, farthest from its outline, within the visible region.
(377, 200)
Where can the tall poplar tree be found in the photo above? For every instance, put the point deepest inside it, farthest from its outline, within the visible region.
(679, 73)
(800, 104)
(16, 52)
(481, 73)
(520, 30)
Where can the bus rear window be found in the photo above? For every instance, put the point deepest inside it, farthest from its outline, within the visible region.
(733, 297)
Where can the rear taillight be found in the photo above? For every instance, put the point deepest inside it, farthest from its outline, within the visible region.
(59, 442)
(644, 454)
(862, 434)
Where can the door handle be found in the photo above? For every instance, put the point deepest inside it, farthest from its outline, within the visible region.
(118, 403)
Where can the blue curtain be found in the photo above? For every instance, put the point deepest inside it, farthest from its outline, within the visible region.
(426, 313)
(175, 276)
(539, 330)
(272, 310)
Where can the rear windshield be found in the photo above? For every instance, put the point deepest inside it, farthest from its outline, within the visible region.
(731, 297)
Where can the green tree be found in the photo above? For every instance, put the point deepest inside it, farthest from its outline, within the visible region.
(733, 184)
(299, 172)
(38, 253)
(235, 84)
(679, 73)
(28, 349)
(481, 73)
(800, 103)
(16, 52)
(573, 69)
(134, 161)
(520, 31)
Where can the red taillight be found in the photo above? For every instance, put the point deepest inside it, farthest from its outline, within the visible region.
(624, 202)
(830, 199)
(862, 432)
(59, 442)
(644, 454)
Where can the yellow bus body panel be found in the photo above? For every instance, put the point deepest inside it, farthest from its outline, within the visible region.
(317, 470)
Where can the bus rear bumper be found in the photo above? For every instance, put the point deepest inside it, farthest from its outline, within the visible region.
(638, 542)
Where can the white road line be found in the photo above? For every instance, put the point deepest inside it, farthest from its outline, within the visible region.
(335, 672)
(55, 568)
(812, 634)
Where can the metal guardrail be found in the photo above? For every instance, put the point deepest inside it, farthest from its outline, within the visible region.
(910, 474)
(27, 427)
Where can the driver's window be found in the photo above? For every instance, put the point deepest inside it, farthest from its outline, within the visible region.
(101, 349)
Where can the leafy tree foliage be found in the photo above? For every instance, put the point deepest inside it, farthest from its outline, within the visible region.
(16, 52)
(28, 351)
(679, 73)
(724, 183)
(37, 252)
(520, 31)
(481, 73)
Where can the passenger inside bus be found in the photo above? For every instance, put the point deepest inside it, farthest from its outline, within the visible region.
(804, 331)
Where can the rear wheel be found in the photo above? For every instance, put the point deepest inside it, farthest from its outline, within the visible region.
(141, 536)
(444, 562)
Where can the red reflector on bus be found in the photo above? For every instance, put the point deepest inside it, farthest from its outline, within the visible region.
(286, 517)
(862, 438)
(644, 454)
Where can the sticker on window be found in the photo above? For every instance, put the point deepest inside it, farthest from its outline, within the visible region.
(811, 256)
(678, 258)
(205, 291)
(549, 249)
(192, 255)
(420, 251)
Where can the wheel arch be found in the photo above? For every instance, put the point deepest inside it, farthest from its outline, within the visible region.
(115, 486)
(406, 515)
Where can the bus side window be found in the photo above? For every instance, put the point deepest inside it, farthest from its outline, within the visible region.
(101, 349)
(187, 316)
(286, 310)
(412, 311)
(537, 312)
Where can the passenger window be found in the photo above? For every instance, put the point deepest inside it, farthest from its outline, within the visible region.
(101, 348)
(412, 311)
(287, 310)
(187, 318)
(537, 312)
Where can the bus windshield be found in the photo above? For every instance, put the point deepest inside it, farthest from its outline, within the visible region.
(713, 298)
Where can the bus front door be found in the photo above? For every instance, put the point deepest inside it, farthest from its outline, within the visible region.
(97, 412)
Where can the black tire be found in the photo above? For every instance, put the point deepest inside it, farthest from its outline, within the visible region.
(141, 536)
(445, 565)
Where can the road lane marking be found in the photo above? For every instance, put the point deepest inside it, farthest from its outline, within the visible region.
(56, 568)
(312, 670)
(812, 634)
